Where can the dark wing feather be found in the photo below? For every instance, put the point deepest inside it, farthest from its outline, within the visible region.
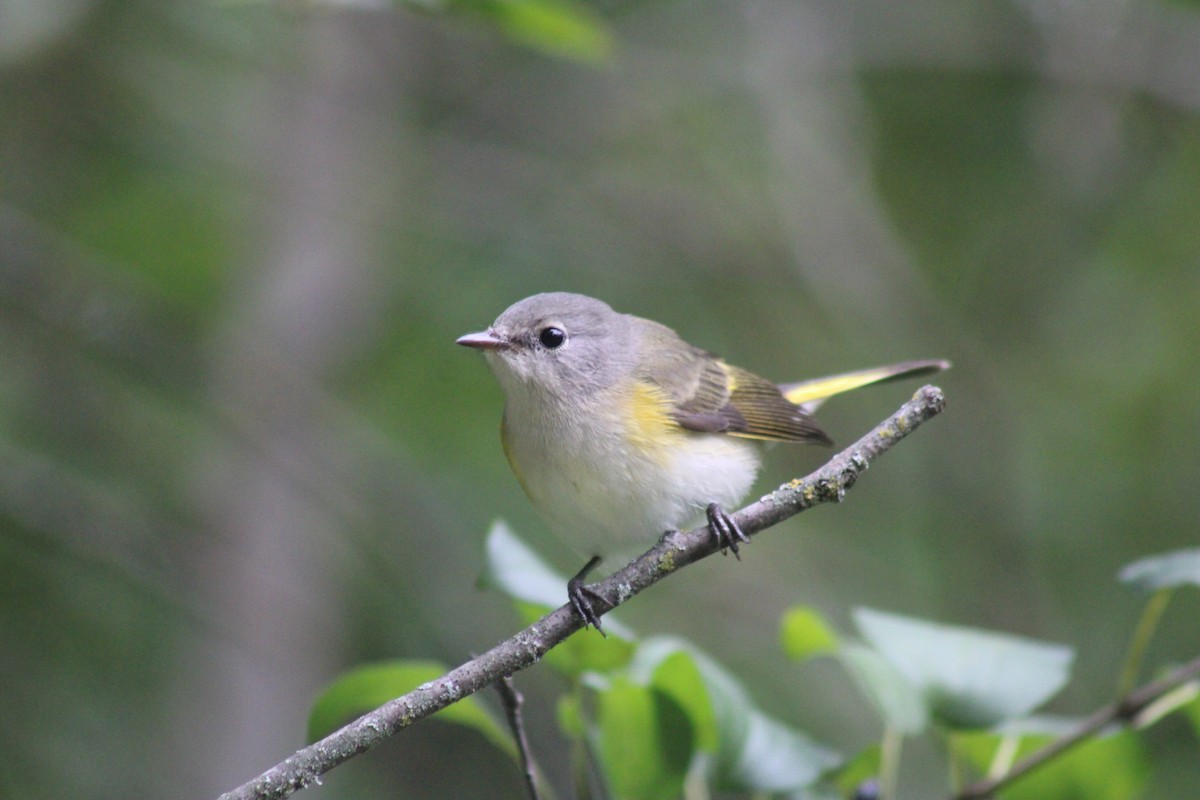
(730, 400)
(709, 396)
(767, 414)
(702, 403)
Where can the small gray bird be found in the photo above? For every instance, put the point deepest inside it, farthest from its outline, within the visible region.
(618, 430)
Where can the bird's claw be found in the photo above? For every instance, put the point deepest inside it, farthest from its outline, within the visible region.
(727, 532)
(583, 598)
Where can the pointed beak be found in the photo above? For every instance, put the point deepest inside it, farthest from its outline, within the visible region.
(484, 340)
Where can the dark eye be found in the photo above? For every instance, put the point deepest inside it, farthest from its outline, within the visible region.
(552, 338)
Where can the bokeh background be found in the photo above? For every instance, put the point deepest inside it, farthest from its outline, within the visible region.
(240, 453)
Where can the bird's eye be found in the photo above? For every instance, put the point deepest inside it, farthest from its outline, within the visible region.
(552, 338)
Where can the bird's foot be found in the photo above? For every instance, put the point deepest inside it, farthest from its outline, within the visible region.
(727, 532)
(583, 598)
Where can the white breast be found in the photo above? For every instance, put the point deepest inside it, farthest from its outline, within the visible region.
(605, 496)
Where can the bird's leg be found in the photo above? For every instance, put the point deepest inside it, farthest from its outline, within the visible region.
(727, 532)
(582, 597)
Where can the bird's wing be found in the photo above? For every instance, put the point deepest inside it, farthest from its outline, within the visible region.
(726, 399)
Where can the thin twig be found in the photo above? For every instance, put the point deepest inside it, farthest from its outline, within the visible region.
(671, 553)
(511, 699)
(1123, 711)
(1146, 626)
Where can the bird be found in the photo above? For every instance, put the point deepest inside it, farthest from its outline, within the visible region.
(619, 431)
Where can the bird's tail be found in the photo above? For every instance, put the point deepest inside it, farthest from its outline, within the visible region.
(811, 393)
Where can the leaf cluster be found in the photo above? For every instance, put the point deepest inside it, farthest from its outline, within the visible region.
(656, 717)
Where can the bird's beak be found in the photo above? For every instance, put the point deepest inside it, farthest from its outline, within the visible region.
(484, 340)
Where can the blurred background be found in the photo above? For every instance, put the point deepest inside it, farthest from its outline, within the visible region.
(240, 452)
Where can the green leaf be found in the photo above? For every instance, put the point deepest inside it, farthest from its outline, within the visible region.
(1191, 712)
(724, 700)
(556, 27)
(366, 688)
(1166, 571)
(817, 792)
(969, 678)
(588, 651)
(645, 741)
(1112, 767)
(678, 675)
(571, 719)
(1180, 698)
(778, 758)
(754, 751)
(515, 569)
(898, 701)
(860, 769)
(804, 634)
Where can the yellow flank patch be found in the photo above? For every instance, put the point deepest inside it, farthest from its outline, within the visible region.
(650, 424)
(512, 462)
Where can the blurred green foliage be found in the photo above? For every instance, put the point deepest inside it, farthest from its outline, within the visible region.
(240, 454)
(668, 719)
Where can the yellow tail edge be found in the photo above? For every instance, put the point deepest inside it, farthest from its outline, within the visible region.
(805, 393)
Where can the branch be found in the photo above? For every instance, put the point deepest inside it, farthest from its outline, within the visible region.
(511, 699)
(671, 553)
(1123, 711)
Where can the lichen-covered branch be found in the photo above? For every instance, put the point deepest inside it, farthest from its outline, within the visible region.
(829, 483)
